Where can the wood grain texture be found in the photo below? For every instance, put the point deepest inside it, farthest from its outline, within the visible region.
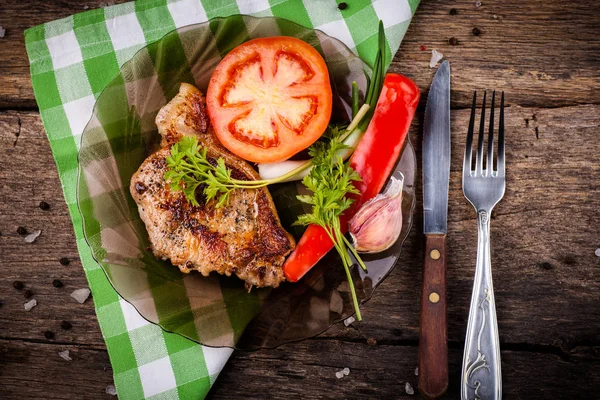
(15, 17)
(544, 54)
(34, 370)
(433, 333)
(307, 370)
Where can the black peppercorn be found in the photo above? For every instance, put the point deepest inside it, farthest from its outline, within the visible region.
(44, 206)
(21, 231)
(66, 325)
(49, 335)
(545, 265)
(18, 285)
(64, 261)
(28, 293)
(343, 5)
(453, 41)
(453, 11)
(56, 283)
(570, 259)
(476, 31)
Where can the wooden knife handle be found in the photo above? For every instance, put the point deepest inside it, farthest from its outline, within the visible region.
(433, 346)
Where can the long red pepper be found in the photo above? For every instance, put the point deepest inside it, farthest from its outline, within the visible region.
(374, 158)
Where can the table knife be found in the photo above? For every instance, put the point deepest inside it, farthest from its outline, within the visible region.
(433, 347)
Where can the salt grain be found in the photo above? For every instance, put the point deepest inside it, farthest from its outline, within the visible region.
(597, 253)
(346, 371)
(409, 389)
(65, 355)
(478, 4)
(32, 236)
(2, 32)
(110, 389)
(336, 304)
(343, 287)
(417, 371)
(436, 56)
(86, 7)
(81, 295)
(30, 304)
(348, 321)
(339, 374)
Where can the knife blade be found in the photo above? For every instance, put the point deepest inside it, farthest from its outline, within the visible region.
(433, 347)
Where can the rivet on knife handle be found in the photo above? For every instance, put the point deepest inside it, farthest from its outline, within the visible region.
(433, 348)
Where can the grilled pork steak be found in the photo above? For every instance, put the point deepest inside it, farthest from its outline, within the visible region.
(244, 238)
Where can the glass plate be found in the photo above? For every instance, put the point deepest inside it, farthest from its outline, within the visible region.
(215, 310)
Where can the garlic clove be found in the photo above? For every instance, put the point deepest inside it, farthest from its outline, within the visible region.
(378, 223)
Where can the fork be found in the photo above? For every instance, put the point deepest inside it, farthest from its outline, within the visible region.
(484, 188)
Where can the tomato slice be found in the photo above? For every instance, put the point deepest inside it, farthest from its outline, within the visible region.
(269, 98)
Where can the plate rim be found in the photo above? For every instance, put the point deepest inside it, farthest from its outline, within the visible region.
(406, 147)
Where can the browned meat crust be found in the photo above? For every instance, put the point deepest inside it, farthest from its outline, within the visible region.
(244, 238)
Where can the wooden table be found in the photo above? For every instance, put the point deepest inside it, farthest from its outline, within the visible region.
(544, 53)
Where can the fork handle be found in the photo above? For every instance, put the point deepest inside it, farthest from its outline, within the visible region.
(481, 376)
(433, 346)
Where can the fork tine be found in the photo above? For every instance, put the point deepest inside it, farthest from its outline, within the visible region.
(479, 159)
(469, 144)
(490, 153)
(501, 138)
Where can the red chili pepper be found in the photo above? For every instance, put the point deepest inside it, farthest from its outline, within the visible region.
(374, 158)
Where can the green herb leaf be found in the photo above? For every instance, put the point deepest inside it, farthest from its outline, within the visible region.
(189, 168)
(375, 82)
(330, 181)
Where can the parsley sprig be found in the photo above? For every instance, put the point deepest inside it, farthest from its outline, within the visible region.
(189, 168)
(330, 181)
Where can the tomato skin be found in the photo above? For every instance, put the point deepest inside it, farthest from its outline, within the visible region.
(270, 98)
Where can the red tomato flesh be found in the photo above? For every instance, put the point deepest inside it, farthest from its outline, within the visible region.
(269, 98)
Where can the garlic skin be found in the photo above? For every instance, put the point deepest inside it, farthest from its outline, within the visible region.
(378, 223)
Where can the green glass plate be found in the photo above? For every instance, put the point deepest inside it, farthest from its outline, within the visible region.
(215, 310)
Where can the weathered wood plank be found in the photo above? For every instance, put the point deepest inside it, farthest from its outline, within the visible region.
(27, 176)
(15, 17)
(34, 370)
(307, 370)
(545, 271)
(16, 92)
(543, 53)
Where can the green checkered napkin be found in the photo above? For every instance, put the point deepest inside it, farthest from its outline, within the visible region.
(72, 62)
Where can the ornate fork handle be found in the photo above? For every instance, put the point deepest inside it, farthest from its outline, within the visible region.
(481, 375)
